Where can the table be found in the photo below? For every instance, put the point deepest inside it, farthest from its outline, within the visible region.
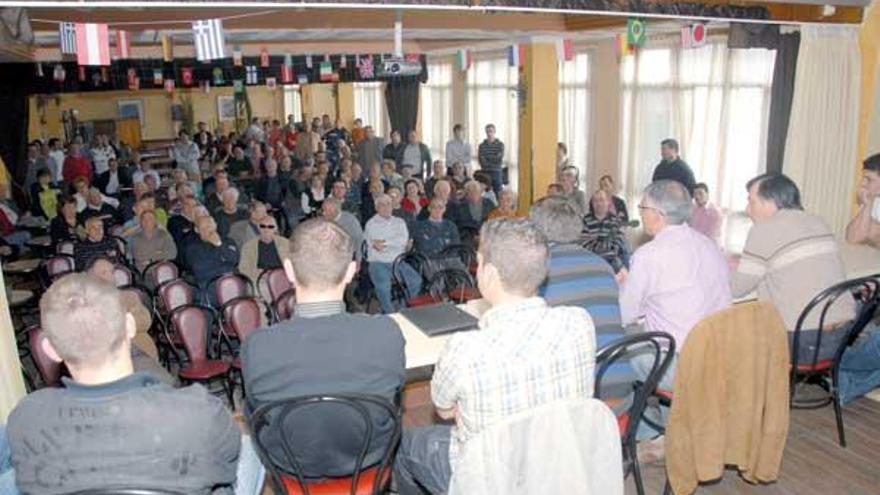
(422, 350)
(22, 267)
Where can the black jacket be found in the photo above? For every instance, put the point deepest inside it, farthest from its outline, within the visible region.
(124, 180)
(677, 170)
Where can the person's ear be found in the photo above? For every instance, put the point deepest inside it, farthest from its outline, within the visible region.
(288, 270)
(49, 349)
(130, 326)
(350, 272)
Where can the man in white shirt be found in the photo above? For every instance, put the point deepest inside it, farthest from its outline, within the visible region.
(459, 150)
(387, 238)
(102, 152)
(186, 154)
(56, 166)
(525, 354)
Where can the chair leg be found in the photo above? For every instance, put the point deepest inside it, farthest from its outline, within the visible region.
(636, 469)
(229, 385)
(667, 488)
(838, 413)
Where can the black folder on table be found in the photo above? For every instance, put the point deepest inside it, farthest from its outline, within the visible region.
(438, 319)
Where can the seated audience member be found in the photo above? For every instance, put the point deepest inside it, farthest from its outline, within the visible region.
(554, 189)
(145, 168)
(238, 165)
(433, 234)
(390, 175)
(677, 279)
(181, 225)
(398, 211)
(705, 217)
(44, 196)
(147, 202)
(115, 180)
(331, 210)
(86, 326)
(264, 252)
(413, 201)
(568, 179)
(144, 353)
(459, 175)
(96, 207)
(486, 182)
(438, 172)
(244, 230)
(790, 256)
(602, 233)
(312, 197)
(618, 205)
(506, 205)
(210, 255)
(577, 277)
(214, 194)
(10, 216)
(270, 188)
(64, 226)
(525, 355)
(864, 228)
(95, 244)
(324, 350)
(230, 211)
(472, 212)
(339, 192)
(387, 238)
(442, 190)
(151, 242)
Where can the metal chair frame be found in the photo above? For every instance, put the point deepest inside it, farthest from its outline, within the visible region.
(642, 391)
(260, 420)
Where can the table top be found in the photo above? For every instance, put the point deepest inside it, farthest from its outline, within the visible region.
(22, 266)
(20, 296)
(422, 350)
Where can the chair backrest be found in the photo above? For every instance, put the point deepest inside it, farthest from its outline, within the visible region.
(283, 305)
(159, 272)
(465, 253)
(241, 316)
(867, 289)
(415, 260)
(272, 283)
(50, 370)
(229, 286)
(321, 414)
(174, 294)
(619, 351)
(59, 265)
(65, 247)
(192, 322)
(122, 276)
(568, 446)
(450, 280)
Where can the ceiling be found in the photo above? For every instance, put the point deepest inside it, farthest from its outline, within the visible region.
(428, 27)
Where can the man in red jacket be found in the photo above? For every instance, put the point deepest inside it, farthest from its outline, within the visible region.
(76, 165)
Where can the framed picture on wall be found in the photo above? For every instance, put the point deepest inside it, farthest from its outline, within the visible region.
(226, 108)
(128, 109)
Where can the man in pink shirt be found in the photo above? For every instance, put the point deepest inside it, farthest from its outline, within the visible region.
(675, 280)
(705, 217)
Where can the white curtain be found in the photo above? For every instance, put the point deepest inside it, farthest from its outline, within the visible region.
(820, 152)
(714, 100)
(436, 103)
(369, 106)
(492, 99)
(574, 110)
(292, 103)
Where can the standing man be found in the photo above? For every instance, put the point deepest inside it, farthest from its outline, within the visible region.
(491, 157)
(56, 166)
(864, 228)
(416, 155)
(186, 154)
(459, 150)
(370, 149)
(672, 167)
(102, 153)
(76, 165)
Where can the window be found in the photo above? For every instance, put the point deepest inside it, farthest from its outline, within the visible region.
(436, 107)
(492, 99)
(714, 100)
(574, 110)
(369, 105)
(292, 102)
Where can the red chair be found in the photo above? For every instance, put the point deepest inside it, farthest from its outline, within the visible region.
(193, 323)
(282, 308)
(171, 295)
(58, 265)
(65, 247)
(50, 370)
(122, 276)
(272, 283)
(241, 317)
(159, 272)
(229, 286)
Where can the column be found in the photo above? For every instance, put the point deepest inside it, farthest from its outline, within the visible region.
(538, 121)
(345, 104)
(11, 382)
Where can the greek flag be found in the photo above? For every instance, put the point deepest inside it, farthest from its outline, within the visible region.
(208, 39)
(67, 36)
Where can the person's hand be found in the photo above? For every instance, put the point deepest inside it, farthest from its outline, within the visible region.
(866, 198)
(621, 276)
(5, 250)
(378, 244)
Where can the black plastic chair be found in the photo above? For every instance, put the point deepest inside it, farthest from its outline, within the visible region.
(286, 473)
(628, 421)
(824, 372)
(455, 284)
(465, 253)
(417, 262)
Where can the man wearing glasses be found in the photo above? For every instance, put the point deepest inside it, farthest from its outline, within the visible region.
(676, 279)
(264, 252)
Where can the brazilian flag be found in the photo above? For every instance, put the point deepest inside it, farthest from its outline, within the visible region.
(635, 32)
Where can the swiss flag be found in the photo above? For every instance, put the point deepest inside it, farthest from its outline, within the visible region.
(187, 76)
(92, 44)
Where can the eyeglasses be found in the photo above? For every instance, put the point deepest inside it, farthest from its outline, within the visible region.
(265, 226)
(642, 207)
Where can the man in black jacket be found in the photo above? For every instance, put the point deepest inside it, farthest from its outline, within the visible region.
(324, 350)
(210, 255)
(115, 180)
(672, 167)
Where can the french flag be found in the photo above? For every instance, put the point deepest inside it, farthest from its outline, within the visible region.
(92, 44)
(516, 55)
